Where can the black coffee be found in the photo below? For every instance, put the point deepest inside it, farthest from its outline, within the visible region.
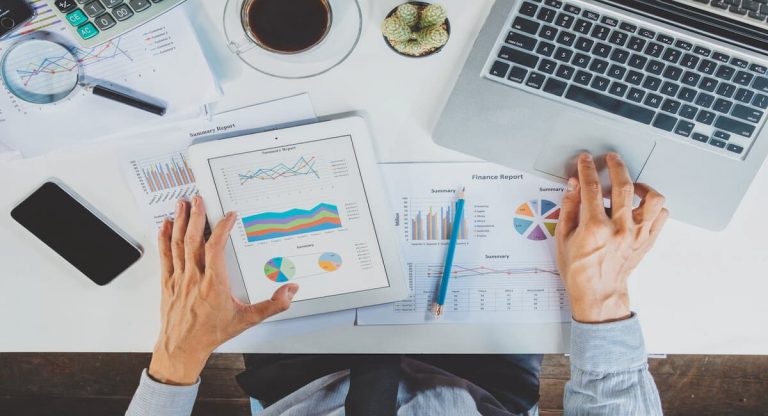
(288, 25)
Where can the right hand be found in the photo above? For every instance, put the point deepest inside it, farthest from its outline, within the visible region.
(597, 252)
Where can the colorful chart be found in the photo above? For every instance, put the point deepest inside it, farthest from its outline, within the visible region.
(537, 219)
(280, 270)
(269, 225)
(436, 224)
(330, 262)
(302, 167)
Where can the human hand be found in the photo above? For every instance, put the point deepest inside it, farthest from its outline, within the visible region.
(596, 251)
(199, 312)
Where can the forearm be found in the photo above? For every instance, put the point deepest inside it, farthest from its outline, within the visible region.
(153, 398)
(609, 371)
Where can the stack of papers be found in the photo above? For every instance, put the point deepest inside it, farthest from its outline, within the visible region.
(161, 59)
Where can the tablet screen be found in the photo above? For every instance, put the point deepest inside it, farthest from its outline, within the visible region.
(303, 217)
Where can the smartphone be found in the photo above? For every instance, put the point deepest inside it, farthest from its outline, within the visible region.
(14, 13)
(65, 223)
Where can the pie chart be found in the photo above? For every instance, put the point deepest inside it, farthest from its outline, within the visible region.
(537, 219)
(280, 270)
(330, 262)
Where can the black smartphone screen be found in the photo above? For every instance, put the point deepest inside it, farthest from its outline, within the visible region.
(13, 13)
(75, 233)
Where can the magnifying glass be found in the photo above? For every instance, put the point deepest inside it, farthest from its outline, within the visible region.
(44, 72)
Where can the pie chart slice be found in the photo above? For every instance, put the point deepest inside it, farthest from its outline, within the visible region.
(536, 220)
(330, 262)
(280, 270)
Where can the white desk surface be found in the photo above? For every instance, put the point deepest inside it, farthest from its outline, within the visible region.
(697, 292)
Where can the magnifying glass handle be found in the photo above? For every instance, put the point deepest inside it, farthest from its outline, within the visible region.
(113, 95)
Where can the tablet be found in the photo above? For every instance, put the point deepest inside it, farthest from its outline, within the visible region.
(310, 210)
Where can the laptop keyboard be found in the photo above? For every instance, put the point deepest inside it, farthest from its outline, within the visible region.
(707, 97)
(754, 9)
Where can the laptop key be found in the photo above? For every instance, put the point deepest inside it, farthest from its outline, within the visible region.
(618, 38)
(636, 95)
(687, 111)
(744, 95)
(684, 45)
(564, 20)
(760, 84)
(708, 67)
(684, 128)
(691, 78)
(547, 66)
(618, 89)
(700, 137)
(655, 67)
(616, 71)
(598, 65)
(600, 83)
(705, 100)
(602, 50)
(647, 33)
(653, 100)
(582, 26)
(601, 32)
(747, 113)
(610, 21)
(654, 49)
(521, 41)
(581, 60)
(628, 27)
(701, 51)
(671, 55)
(545, 48)
(499, 69)
(609, 104)
(705, 117)
(743, 78)
(687, 94)
(584, 44)
(637, 61)
(717, 143)
(565, 72)
(760, 69)
(760, 100)
(651, 83)
(554, 3)
(722, 106)
(554, 87)
(548, 32)
(726, 90)
(528, 9)
(582, 77)
(670, 88)
(673, 72)
(708, 84)
(689, 61)
(725, 72)
(535, 80)
(739, 62)
(719, 56)
(721, 135)
(670, 106)
(664, 122)
(620, 56)
(524, 25)
(572, 9)
(636, 43)
(517, 74)
(735, 148)
(589, 14)
(563, 54)
(546, 14)
(523, 58)
(566, 38)
(664, 38)
(634, 77)
(734, 126)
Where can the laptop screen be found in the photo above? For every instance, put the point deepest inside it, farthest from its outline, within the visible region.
(697, 18)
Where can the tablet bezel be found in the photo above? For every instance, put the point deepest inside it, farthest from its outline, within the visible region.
(381, 214)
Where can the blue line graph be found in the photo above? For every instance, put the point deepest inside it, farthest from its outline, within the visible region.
(51, 66)
(302, 167)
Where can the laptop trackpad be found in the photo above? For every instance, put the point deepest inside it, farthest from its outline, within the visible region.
(558, 156)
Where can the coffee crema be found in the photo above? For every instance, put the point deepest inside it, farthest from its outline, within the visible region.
(287, 26)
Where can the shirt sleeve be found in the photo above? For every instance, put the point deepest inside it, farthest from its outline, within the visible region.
(609, 371)
(153, 398)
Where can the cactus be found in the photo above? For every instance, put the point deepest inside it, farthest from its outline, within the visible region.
(396, 30)
(416, 30)
(432, 15)
(408, 13)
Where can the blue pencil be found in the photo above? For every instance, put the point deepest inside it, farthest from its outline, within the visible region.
(438, 309)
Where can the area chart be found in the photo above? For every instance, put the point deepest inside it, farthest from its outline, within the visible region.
(269, 225)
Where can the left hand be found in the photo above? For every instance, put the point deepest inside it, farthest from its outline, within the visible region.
(199, 312)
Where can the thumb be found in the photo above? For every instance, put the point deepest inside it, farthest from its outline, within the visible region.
(280, 302)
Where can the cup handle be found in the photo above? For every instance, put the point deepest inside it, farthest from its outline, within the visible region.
(241, 46)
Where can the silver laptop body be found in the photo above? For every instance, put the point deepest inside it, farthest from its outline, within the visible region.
(694, 131)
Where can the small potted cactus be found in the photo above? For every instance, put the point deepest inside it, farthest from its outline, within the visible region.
(416, 29)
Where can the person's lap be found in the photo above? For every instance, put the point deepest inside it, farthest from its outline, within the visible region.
(512, 379)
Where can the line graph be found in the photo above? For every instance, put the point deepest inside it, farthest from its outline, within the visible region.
(302, 167)
(50, 66)
(477, 270)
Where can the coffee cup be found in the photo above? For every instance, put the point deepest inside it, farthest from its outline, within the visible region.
(286, 26)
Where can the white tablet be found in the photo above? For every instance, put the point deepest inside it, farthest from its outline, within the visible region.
(311, 210)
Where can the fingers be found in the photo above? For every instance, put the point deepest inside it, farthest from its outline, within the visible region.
(280, 302)
(651, 204)
(569, 211)
(214, 249)
(622, 190)
(592, 207)
(657, 226)
(179, 231)
(166, 257)
(194, 241)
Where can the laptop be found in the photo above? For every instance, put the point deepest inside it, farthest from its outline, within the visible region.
(677, 87)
